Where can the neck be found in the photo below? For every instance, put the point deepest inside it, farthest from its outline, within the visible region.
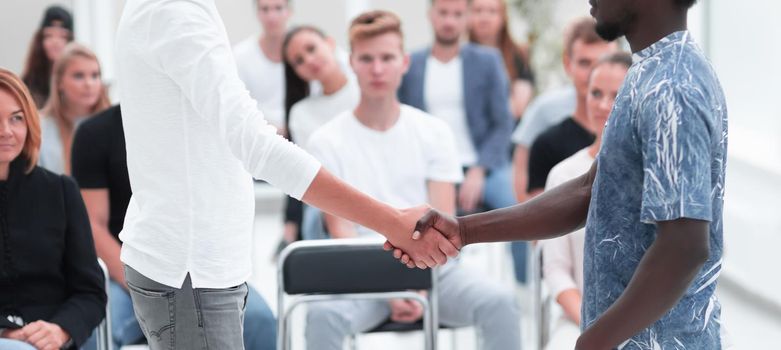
(594, 148)
(4, 170)
(580, 115)
(652, 27)
(73, 113)
(271, 45)
(334, 82)
(445, 53)
(492, 41)
(378, 113)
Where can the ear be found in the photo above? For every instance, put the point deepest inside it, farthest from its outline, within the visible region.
(566, 59)
(405, 62)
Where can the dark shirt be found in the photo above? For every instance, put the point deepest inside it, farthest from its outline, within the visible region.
(48, 267)
(553, 146)
(99, 161)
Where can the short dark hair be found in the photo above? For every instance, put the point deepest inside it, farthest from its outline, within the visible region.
(585, 29)
(685, 3)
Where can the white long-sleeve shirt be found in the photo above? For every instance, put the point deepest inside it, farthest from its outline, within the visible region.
(194, 138)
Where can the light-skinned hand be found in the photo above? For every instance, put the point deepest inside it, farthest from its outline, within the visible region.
(432, 223)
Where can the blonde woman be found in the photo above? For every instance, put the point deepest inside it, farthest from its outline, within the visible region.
(77, 93)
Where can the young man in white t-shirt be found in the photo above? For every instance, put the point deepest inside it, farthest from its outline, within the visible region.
(259, 60)
(401, 156)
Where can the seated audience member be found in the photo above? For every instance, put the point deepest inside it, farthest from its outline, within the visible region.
(402, 156)
(563, 256)
(311, 62)
(55, 32)
(572, 134)
(78, 93)
(51, 287)
(489, 26)
(555, 106)
(259, 60)
(100, 167)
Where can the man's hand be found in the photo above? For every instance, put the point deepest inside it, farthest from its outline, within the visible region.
(44, 335)
(471, 190)
(433, 223)
(422, 251)
(405, 310)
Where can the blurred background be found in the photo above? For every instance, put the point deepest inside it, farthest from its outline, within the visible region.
(737, 36)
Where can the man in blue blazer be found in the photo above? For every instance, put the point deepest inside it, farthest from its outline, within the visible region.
(467, 87)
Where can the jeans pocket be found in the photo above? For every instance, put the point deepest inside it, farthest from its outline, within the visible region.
(155, 312)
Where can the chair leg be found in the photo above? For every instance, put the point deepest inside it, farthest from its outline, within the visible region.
(353, 342)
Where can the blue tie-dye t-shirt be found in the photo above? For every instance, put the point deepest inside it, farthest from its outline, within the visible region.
(663, 158)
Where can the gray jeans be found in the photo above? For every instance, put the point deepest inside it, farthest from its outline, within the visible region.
(187, 318)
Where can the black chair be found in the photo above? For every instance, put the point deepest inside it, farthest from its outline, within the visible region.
(322, 270)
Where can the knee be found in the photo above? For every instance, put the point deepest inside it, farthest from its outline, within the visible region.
(501, 304)
(326, 319)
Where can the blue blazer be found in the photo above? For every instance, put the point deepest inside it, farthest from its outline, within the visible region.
(486, 100)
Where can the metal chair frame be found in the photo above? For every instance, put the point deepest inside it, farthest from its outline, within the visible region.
(104, 328)
(284, 310)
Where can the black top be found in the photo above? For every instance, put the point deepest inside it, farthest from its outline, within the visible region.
(48, 266)
(523, 68)
(99, 161)
(557, 143)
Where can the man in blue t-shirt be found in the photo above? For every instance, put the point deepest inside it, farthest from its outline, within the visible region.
(652, 202)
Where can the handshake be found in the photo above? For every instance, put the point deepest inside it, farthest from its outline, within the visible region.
(436, 237)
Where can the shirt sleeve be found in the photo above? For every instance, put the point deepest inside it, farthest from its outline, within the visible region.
(86, 303)
(187, 42)
(539, 164)
(558, 264)
(89, 159)
(677, 142)
(443, 164)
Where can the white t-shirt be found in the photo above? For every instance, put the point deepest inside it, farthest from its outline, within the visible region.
(444, 96)
(264, 79)
(563, 256)
(394, 165)
(311, 113)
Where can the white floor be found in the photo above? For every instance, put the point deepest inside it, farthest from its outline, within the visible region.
(751, 325)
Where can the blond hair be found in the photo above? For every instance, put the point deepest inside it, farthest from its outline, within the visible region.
(55, 105)
(373, 24)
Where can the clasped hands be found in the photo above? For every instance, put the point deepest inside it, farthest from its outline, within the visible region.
(436, 237)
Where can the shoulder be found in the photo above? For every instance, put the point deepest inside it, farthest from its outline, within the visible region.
(48, 181)
(301, 108)
(245, 46)
(481, 52)
(101, 122)
(554, 132)
(420, 54)
(332, 132)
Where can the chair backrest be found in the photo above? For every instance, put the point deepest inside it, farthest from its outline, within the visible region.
(343, 266)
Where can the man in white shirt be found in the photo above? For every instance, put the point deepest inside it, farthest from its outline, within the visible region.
(259, 60)
(195, 139)
(401, 156)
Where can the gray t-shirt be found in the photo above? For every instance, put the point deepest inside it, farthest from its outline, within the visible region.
(663, 158)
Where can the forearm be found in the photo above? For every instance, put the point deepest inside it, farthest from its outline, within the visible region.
(554, 213)
(661, 279)
(335, 197)
(520, 166)
(570, 301)
(108, 250)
